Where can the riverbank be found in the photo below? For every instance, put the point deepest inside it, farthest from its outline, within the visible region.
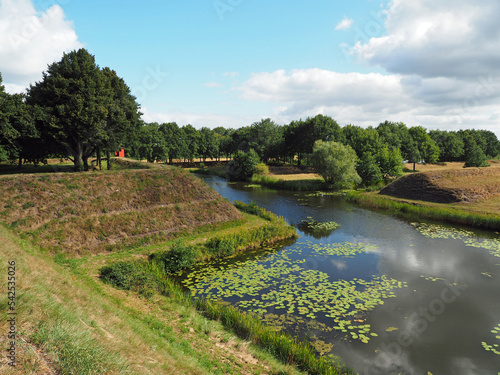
(474, 192)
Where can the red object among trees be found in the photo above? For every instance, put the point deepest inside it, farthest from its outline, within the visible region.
(120, 153)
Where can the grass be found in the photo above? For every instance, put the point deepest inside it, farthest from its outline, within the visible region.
(104, 211)
(290, 183)
(70, 323)
(411, 209)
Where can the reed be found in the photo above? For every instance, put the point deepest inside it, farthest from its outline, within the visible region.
(440, 213)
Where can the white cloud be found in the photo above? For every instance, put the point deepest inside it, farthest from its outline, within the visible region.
(368, 99)
(30, 40)
(345, 24)
(442, 60)
(447, 38)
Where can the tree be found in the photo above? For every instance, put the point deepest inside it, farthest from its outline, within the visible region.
(152, 144)
(123, 118)
(390, 162)
(191, 142)
(427, 147)
(475, 157)
(368, 169)
(336, 163)
(75, 96)
(396, 135)
(362, 140)
(451, 145)
(265, 137)
(209, 144)
(243, 165)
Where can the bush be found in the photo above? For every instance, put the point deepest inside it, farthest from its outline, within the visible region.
(261, 168)
(130, 276)
(222, 246)
(179, 257)
(243, 165)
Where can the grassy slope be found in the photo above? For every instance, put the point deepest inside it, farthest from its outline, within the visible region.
(69, 321)
(473, 189)
(92, 212)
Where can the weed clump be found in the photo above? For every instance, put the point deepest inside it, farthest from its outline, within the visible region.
(179, 257)
(131, 276)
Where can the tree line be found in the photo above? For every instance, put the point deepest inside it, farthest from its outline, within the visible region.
(80, 111)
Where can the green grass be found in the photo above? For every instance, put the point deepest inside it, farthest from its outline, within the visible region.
(294, 185)
(442, 213)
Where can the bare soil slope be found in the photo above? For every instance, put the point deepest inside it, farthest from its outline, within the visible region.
(448, 186)
(90, 212)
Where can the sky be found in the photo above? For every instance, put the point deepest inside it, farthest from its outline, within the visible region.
(230, 63)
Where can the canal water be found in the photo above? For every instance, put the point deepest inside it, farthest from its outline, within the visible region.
(387, 296)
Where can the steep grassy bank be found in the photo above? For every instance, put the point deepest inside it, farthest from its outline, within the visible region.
(92, 212)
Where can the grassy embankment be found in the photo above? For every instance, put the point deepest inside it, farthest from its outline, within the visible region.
(69, 226)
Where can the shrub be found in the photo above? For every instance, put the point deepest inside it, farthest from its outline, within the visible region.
(222, 246)
(130, 276)
(261, 168)
(243, 165)
(179, 257)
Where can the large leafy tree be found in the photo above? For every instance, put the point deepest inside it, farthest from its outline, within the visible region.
(18, 136)
(451, 145)
(76, 98)
(336, 163)
(265, 137)
(152, 144)
(123, 118)
(362, 140)
(301, 135)
(209, 144)
(396, 135)
(427, 147)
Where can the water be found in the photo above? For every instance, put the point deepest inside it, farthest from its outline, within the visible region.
(403, 301)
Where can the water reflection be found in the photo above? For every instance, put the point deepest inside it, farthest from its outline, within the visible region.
(436, 324)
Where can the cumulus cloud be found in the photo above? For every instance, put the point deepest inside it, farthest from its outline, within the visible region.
(442, 70)
(345, 24)
(30, 40)
(449, 38)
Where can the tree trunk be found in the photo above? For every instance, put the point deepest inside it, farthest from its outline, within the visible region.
(99, 158)
(108, 158)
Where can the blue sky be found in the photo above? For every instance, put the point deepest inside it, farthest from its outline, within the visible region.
(233, 62)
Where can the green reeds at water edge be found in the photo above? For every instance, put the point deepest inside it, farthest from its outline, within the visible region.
(442, 213)
(294, 185)
(282, 346)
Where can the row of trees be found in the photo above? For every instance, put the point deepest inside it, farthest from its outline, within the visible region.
(79, 111)
(165, 142)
